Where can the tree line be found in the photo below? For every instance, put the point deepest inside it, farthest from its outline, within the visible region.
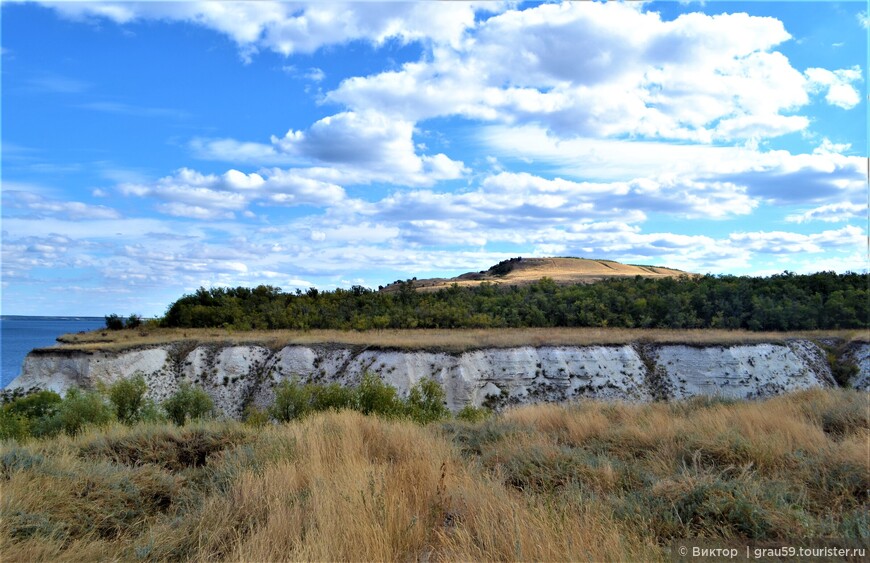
(782, 302)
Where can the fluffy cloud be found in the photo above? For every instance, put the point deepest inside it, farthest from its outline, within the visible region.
(778, 242)
(780, 177)
(45, 207)
(831, 213)
(701, 253)
(504, 208)
(670, 195)
(697, 77)
(836, 84)
(239, 152)
(370, 142)
(348, 148)
(189, 193)
(293, 27)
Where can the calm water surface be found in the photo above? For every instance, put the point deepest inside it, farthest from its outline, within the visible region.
(20, 335)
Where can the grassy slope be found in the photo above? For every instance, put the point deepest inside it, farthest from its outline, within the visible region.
(560, 270)
(593, 481)
(438, 339)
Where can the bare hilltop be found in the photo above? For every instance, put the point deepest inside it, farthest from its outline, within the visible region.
(521, 271)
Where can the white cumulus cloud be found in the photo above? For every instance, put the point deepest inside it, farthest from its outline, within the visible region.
(599, 70)
(837, 85)
(831, 213)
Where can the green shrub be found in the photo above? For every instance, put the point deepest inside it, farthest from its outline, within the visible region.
(78, 409)
(292, 401)
(35, 405)
(13, 426)
(151, 412)
(255, 417)
(46, 427)
(426, 402)
(843, 369)
(188, 403)
(470, 413)
(134, 321)
(128, 398)
(26, 415)
(376, 397)
(331, 397)
(114, 322)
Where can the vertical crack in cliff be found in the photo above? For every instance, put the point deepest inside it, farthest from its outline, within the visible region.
(657, 381)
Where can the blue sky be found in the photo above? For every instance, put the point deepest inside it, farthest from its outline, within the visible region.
(152, 148)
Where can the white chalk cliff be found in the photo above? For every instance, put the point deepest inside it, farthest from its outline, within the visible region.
(238, 375)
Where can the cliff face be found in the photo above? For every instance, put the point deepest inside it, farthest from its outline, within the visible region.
(239, 375)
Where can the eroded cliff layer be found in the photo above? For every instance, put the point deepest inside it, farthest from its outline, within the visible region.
(236, 376)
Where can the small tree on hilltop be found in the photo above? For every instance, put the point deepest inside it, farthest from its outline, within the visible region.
(114, 322)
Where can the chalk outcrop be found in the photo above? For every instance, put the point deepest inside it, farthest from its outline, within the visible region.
(236, 376)
(859, 354)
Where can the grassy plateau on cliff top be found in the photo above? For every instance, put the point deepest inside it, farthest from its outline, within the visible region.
(450, 340)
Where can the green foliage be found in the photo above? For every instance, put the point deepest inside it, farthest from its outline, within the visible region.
(255, 417)
(505, 266)
(13, 426)
(128, 398)
(292, 401)
(35, 405)
(425, 402)
(843, 369)
(295, 400)
(78, 409)
(114, 322)
(21, 414)
(331, 397)
(376, 397)
(188, 403)
(134, 321)
(825, 300)
(151, 412)
(472, 414)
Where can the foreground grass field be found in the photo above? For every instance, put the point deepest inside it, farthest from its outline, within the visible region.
(593, 481)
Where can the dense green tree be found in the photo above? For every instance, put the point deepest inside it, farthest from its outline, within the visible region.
(781, 302)
(188, 403)
(128, 398)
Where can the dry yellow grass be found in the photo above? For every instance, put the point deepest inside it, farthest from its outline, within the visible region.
(363, 489)
(587, 482)
(343, 487)
(451, 340)
(560, 270)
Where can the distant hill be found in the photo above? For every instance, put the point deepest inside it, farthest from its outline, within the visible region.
(521, 271)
